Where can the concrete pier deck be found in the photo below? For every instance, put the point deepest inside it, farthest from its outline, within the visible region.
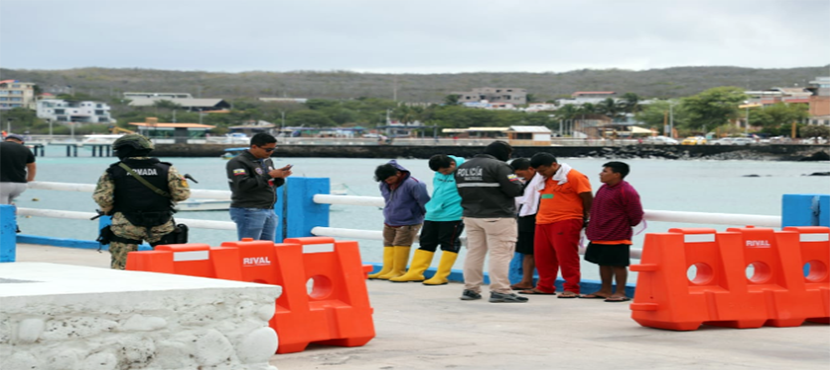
(421, 327)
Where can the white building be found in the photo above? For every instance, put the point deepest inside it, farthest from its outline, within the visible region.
(157, 95)
(57, 110)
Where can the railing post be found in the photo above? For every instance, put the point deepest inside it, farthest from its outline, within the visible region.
(8, 233)
(301, 213)
(805, 210)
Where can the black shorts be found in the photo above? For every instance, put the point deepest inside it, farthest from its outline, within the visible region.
(524, 244)
(443, 233)
(617, 255)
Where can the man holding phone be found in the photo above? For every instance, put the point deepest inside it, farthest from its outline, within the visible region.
(253, 181)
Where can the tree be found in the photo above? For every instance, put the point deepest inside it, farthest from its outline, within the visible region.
(531, 98)
(654, 115)
(609, 108)
(778, 114)
(451, 99)
(166, 104)
(568, 111)
(815, 131)
(309, 118)
(631, 102)
(713, 107)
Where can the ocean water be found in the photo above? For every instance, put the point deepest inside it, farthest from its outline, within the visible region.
(701, 186)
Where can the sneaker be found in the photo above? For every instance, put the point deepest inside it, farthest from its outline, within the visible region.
(506, 298)
(469, 295)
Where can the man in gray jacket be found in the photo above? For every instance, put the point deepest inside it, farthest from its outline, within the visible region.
(488, 189)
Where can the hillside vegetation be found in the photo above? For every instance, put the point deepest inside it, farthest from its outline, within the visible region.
(656, 83)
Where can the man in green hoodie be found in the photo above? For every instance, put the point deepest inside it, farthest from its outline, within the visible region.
(442, 224)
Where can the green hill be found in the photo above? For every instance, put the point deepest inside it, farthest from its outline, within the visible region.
(661, 83)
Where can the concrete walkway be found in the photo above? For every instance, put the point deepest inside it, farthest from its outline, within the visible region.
(421, 327)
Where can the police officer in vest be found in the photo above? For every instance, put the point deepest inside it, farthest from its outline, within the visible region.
(139, 192)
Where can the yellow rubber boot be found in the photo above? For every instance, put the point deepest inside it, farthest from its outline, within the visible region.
(399, 261)
(420, 263)
(388, 256)
(444, 269)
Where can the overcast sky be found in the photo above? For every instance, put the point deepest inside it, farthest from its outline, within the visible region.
(420, 36)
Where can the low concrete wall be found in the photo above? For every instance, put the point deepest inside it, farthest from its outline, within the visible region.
(84, 318)
(776, 152)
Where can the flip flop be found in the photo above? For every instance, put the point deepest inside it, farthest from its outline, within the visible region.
(535, 291)
(592, 296)
(617, 299)
(519, 288)
(568, 295)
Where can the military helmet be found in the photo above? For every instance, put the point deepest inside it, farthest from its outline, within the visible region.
(134, 141)
(132, 145)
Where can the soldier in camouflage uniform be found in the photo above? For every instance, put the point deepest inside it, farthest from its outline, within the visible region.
(139, 212)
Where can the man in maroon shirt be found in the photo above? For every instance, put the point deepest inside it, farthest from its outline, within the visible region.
(615, 210)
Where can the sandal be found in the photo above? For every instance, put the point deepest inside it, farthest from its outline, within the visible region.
(535, 291)
(568, 295)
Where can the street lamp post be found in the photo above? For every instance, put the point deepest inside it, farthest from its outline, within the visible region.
(746, 126)
(282, 125)
(671, 120)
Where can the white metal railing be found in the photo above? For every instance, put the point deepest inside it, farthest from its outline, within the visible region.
(650, 215)
(89, 188)
(191, 223)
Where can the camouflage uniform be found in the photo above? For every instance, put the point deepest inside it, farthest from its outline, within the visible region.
(105, 197)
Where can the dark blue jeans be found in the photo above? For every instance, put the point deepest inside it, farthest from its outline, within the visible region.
(255, 223)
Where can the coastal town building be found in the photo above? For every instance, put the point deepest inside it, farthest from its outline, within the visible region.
(583, 97)
(509, 95)
(820, 101)
(283, 100)
(16, 94)
(193, 104)
(62, 111)
(789, 95)
(169, 133)
(160, 95)
(529, 136)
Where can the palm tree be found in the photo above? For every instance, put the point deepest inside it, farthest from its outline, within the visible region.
(631, 102)
(568, 111)
(608, 107)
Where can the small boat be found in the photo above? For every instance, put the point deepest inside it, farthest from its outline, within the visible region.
(192, 205)
(101, 139)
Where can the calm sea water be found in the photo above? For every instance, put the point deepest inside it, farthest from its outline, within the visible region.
(702, 186)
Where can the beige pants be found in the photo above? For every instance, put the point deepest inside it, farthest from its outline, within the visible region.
(498, 236)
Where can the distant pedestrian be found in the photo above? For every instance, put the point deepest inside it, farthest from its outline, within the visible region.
(403, 214)
(254, 181)
(488, 189)
(615, 210)
(442, 224)
(17, 167)
(564, 208)
(527, 205)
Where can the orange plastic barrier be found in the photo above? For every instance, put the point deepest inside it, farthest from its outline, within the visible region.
(815, 252)
(335, 311)
(721, 293)
(339, 311)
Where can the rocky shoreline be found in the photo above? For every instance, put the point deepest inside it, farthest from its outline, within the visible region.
(671, 152)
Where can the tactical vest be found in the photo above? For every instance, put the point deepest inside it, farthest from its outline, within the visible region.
(138, 203)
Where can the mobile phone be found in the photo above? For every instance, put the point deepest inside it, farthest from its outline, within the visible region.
(288, 167)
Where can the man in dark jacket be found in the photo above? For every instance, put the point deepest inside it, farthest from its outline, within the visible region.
(17, 167)
(403, 214)
(488, 189)
(253, 181)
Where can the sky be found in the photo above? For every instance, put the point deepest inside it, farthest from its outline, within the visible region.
(412, 36)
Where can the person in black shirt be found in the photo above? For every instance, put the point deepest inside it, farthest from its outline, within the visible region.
(17, 167)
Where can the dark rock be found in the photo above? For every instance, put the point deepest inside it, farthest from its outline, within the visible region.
(752, 175)
(819, 174)
(817, 156)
